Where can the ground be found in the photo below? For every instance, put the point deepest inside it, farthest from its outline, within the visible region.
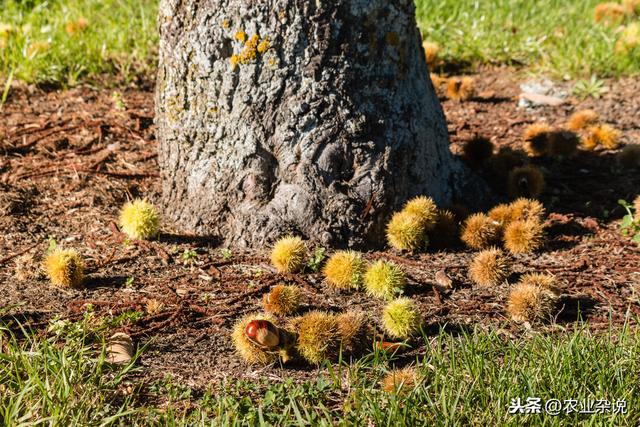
(72, 158)
(77, 141)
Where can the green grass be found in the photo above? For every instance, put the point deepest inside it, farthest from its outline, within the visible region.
(553, 36)
(467, 380)
(120, 39)
(60, 381)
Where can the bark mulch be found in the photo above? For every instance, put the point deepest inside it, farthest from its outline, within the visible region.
(70, 159)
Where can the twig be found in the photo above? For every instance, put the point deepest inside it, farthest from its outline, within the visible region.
(437, 294)
(10, 257)
(46, 134)
(121, 174)
(367, 209)
(160, 325)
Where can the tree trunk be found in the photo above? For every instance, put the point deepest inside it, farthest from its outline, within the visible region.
(321, 125)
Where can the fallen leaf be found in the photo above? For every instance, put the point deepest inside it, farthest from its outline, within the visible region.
(538, 99)
(590, 224)
(119, 349)
(443, 279)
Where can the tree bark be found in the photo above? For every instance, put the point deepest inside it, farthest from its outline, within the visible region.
(324, 134)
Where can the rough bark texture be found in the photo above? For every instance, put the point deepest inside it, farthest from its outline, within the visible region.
(323, 135)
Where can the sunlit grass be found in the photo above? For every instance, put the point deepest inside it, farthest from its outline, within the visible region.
(119, 42)
(63, 42)
(559, 37)
(466, 378)
(63, 380)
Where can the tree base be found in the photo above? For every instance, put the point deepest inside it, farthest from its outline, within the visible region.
(322, 133)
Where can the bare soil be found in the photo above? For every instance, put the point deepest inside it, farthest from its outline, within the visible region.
(70, 159)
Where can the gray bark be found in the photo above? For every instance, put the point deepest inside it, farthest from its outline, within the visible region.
(324, 135)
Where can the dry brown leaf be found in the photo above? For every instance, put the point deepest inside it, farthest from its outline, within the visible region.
(119, 349)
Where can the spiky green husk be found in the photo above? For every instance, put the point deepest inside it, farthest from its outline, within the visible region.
(344, 270)
(505, 160)
(519, 210)
(405, 232)
(282, 300)
(537, 139)
(354, 331)
(477, 150)
(563, 143)
(489, 267)
(604, 135)
(529, 303)
(609, 13)
(139, 219)
(384, 280)
(317, 336)
(324, 336)
(629, 157)
(633, 8)
(544, 280)
(400, 381)
(248, 350)
(64, 268)
(461, 89)
(479, 231)
(288, 254)
(523, 209)
(502, 214)
(445, 232)
(523, 236)
(583, 119)
(525, 181)
(431, 50)
(629, 39)
(401, 318)
(424, 209)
